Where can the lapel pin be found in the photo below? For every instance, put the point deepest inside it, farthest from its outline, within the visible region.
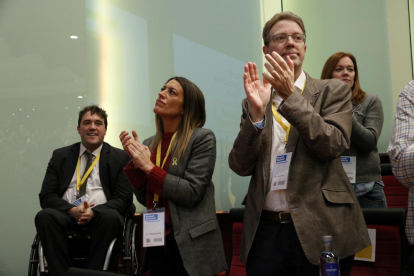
(174, 161)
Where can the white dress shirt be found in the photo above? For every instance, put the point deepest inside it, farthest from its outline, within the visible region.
(94, 191)
(276, 200)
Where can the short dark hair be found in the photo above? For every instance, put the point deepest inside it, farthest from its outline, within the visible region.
(93, 109)
(279, 17)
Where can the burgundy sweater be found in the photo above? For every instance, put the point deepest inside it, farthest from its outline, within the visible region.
(154, 182)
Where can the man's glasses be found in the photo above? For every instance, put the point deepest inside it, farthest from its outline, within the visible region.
(282, 38)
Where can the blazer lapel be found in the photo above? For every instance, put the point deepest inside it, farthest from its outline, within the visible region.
(267, 143)
(174, 164)
(69, 168)
(103, 169)
(310, 93)
(177, 168)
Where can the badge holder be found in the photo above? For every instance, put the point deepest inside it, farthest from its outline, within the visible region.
(79, 201)
(154, 226)
(349, 165)
(281, 171)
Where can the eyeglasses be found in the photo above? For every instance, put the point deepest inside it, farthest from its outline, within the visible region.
(282, 38)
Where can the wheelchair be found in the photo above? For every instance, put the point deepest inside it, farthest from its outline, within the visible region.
(121, 257)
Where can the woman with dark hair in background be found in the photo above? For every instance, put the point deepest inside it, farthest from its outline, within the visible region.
(173, 170)
(367, 121)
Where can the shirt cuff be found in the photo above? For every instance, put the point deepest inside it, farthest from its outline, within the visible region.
(156, 179)
(260, 124)
(136, 177)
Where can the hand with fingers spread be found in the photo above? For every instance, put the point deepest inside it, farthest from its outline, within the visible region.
(139, 153)
(282, 77)
(257, 94)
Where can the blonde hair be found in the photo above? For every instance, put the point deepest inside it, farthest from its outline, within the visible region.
(194, 116)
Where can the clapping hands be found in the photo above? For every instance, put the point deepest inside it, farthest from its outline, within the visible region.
(139, 153)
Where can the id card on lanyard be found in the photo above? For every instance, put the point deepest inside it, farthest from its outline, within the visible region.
(281, 167)
(153, 228)
(154, 219)
(349, 165)
(79, 201)
(281, 171)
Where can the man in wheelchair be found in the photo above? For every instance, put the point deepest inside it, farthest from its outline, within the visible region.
(84, 187)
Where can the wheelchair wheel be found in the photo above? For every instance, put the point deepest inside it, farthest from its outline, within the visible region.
(130, 255)
(34, 269)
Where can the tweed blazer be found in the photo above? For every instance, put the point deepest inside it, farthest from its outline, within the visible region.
(190, 193)
(319, 194)
(62, 166)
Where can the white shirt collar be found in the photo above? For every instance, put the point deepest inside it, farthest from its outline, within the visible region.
(95, 152)
(300, 82)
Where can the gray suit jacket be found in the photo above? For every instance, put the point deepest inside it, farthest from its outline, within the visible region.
(367, 121)
(190, 193)
(320, 197)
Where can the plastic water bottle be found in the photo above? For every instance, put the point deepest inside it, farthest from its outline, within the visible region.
(328, 261)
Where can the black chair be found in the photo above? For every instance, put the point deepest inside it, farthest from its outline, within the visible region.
(126, 261)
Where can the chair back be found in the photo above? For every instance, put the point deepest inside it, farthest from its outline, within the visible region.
(395, 192)
(391, 243)
(236, 267)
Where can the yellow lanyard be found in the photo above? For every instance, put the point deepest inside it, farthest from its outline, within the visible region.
(279, 119)
(80, 182)
(158, 160)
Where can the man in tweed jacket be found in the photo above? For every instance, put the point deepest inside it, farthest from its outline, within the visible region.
(291, 114)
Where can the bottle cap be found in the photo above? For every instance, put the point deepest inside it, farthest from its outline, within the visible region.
(327, 238)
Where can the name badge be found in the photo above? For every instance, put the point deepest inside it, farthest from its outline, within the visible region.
(79, 201)
(154, 228)
(349, 165)
(281, 171)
